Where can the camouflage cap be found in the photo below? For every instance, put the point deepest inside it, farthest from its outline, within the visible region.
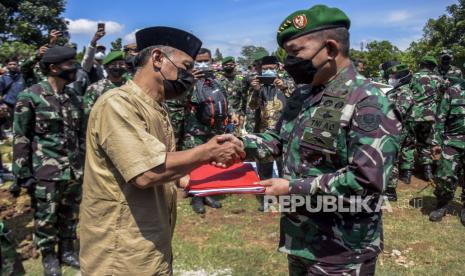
(396, 69)
(429, 60)
(317, 18)
(227, 59)
(112, 56)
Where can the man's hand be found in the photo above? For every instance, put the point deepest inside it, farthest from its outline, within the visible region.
(255, 83)
(54, 35)
(222, 153)
(279, 83)
(275, 186)
(198, 74)
(97, 36)
(42, 51)
(230, 138)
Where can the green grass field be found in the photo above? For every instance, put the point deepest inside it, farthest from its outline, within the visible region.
(239, 240)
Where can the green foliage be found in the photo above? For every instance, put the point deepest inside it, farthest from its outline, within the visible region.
(218, 57)
(248, 52)
(30, 21)
(281, 54)
(377, 52)
(16, 48)
(117, 45)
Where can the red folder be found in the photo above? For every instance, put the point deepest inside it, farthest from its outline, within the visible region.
(237, 179)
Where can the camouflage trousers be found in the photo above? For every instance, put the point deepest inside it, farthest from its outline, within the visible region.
(56, 214)
(405, 159)
(196, 133)
(423, 132)
(10, 261)
(447, 174)
(300, 266)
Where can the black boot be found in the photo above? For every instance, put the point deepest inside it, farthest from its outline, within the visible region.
(210, 201)
(406, 176)
(197, 205)
(391, 194)
(439, 213)
(428, 172)
(51, 264)
(261, 202)
(68, 254)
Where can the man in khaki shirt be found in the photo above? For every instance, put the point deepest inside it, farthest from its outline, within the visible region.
(129, 197)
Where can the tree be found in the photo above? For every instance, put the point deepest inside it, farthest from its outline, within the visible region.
(218, 55)
(117, 45)
(248, 53)
(30, 21)
(16, 48)
(445, 32)
(281, 54)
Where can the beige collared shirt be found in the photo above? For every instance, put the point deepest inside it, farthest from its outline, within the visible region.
(125, 230)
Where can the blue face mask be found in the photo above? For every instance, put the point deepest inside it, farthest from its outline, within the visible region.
(269, 73)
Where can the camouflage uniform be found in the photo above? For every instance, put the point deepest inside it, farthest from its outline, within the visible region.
(235, 88)
(177, 112)
(93, 92)
(195, 132)
(270, 101)
(425, 87)
(403, 99)
(343, 142)
(10, 260)
(450, 72)
(48, 145)
(450, 134)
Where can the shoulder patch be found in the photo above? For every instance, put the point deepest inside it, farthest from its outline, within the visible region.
(368, 122)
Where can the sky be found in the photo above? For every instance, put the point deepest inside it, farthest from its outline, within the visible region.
(231, 24)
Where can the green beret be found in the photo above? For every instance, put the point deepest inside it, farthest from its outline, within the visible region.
(396, 69)
(429, 60)
(227, 59)
(317, 18)
(259, 55)
(112, 56)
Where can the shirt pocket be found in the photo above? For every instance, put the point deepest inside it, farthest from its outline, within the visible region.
(457, 107)
(47, 120)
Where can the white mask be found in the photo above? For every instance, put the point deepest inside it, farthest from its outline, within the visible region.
(393, 82)
(99, 56)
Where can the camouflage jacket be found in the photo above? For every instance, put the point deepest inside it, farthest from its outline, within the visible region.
(452, 71)
(236, 92)
(425, 87)
(271, 101)
(450, 127)
(342, 143)
(94, 91)
(403, 99)
(48, 134)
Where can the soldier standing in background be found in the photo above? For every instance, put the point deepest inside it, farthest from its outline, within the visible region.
(47, 154)
(425, 87)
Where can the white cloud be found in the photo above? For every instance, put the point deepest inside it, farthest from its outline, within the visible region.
(399, 16)
(87, 26)
(131, 37)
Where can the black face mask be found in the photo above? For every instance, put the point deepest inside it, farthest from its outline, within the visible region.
(69, 74)
(302, 70)
(228, 70)
(117, 72)
(178, 87)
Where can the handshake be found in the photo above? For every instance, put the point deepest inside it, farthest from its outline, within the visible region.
(224, 150)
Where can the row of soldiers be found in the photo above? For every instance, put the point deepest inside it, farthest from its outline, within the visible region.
(50, 119)
(432, 104)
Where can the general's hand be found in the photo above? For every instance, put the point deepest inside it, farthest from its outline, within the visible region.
(275, 186)
(230, 138)
(184, 181)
